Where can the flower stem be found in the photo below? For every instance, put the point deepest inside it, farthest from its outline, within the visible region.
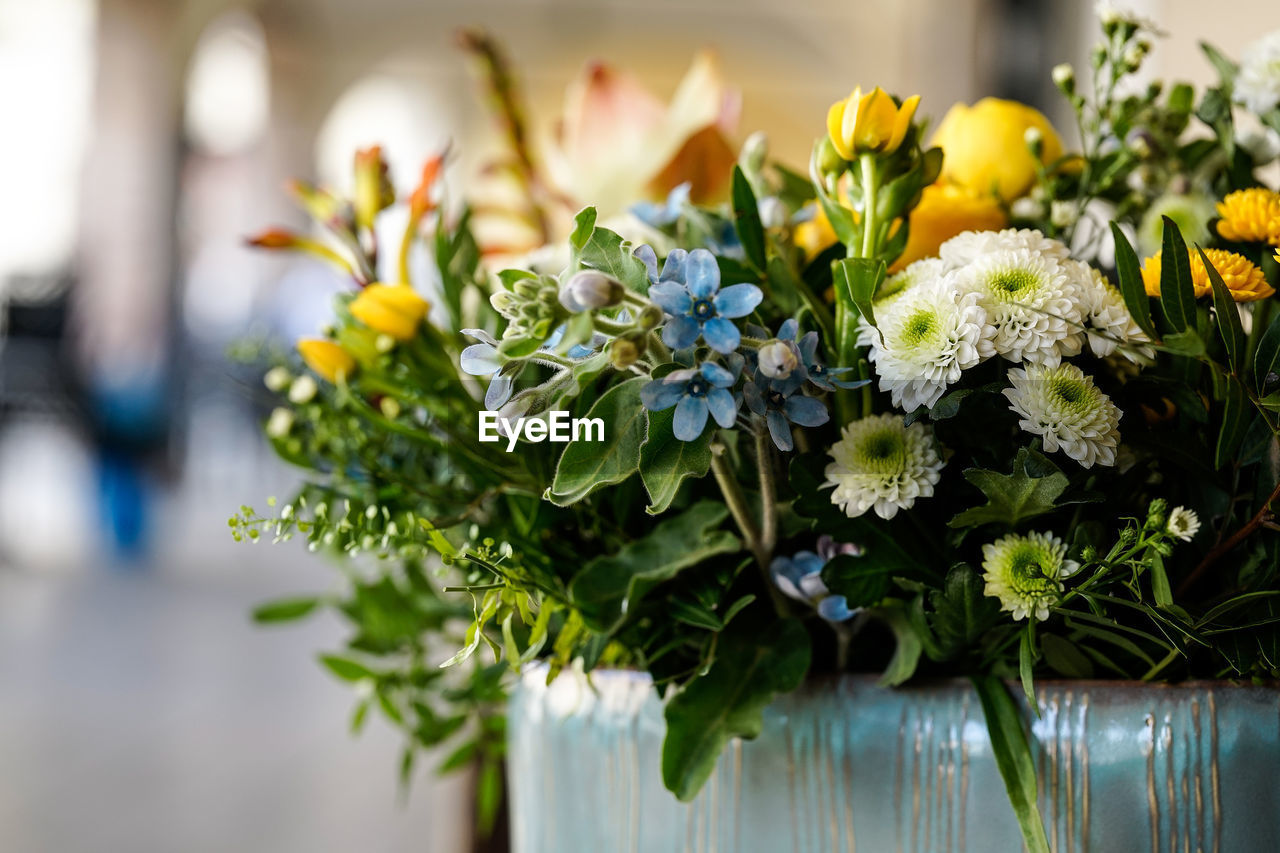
(870, 181)
(741, 512)
(768, 492)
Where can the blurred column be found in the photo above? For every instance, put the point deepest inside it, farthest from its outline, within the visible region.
(122, 304)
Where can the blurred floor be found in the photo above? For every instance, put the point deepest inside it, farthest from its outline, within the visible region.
(140, 710)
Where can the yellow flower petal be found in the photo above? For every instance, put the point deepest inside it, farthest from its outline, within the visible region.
(1250, 216)
(326, 358)
(944, 211)
(392, 309)
(985, 148)
(1242, 277)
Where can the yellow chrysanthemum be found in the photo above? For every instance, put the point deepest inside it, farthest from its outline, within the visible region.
(1250, 216)
(1241, 276)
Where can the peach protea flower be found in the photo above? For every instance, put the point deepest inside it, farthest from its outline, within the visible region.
(1250, 216)
(1241, 276)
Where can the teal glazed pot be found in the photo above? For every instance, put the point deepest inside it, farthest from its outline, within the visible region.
(844, 765)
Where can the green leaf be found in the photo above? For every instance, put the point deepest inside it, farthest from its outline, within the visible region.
(1177, 296)
(862, 583)
(962, 612)
(1234, 423)
(1026, 665)
(752, 666)
(606, 251)
(587, 465)
(1131, 286)
(1188, 343)
(1267, 357)
(1015, 497)
(1226, 69)
(584, 223)
(1065, 657)
(285, 610)
(1013, 757)
(860, 278)
(746, 220)
(907, 644)
(346, 668)
(508, 278)
(1227, 315)
(665, 461)
(609, 586)
(1160, 589)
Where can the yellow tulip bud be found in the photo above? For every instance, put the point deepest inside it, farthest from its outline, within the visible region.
(985, 146)
(869, 124)
(326, 358)
(392, 309)
(944, 211)
(373, 190)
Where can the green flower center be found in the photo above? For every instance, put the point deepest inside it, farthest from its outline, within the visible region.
(919, 326)
(1029, 568)
(1012, 283)
(883, 451)
(1072, 393)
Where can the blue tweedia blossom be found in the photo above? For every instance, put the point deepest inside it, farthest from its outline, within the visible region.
(777, 401)
(482, 359)
(826, 378)
(800, 577)
(695, 392)
(689, 291)
(664, 213)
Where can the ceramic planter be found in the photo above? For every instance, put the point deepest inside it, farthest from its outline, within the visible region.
(845, 766)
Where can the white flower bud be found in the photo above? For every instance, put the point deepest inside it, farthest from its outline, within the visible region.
(277, 379)
(1026, 208)
(1062, 214)
(384, 343)
(777, 359)
(1064, 77)
(590, 289)
(280, 422)
(754, 151)
(390, 407)
(303, 390)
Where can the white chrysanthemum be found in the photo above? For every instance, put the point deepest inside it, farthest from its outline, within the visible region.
(1111, 325)
(926, 271)
(1183, 523)
(1064, 407)
(882, 465)
(1032, 300)
(963, 249)
(1257, 85)
(1026, 572)
(928, 335)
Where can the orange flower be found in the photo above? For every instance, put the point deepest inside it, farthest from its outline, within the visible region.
(1241, 276)
(944, 211)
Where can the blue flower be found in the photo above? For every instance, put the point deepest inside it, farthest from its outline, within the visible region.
(826, 378)
(800, 577)
(689, 291)
(482, 359)
(695, 392)
(660, 215)
(778, 403)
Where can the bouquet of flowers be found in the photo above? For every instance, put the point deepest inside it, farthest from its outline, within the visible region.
(981, 406)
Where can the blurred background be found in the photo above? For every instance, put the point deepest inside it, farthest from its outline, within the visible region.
(142, 139)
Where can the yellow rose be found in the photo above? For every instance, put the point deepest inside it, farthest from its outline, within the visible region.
(944, 211)
(870, 123)
(1243, 279)
(326, 358)
(392, 309)
(815, 235)
(985, 146)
